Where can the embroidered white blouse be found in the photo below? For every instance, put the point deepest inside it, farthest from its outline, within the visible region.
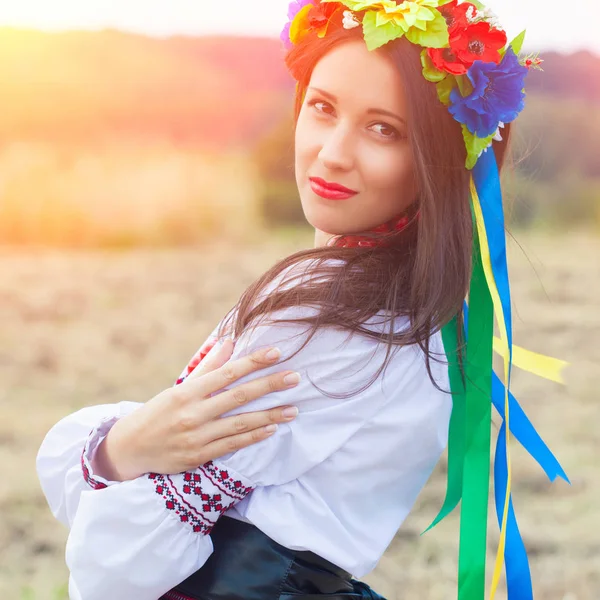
(338, 481)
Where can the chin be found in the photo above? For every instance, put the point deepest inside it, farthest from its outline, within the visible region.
(330, 225)
(330, 221)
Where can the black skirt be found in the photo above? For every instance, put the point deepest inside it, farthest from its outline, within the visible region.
(248, 565)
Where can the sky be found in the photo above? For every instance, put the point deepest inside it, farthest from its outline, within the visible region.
(564, 25)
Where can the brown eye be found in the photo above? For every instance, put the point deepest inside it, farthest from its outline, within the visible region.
(322, 107)
(385, 131)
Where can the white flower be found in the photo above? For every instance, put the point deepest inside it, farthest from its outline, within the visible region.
(350, 21)
(498, 136)
(492, 19)
(473, 14)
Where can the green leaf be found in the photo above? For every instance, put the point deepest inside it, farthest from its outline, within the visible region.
(377, 36)
(475, 145)
(435, 35)
(444, 88)
(430, 71)
(517, 43)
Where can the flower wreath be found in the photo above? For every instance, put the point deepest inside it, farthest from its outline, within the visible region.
(465, 53)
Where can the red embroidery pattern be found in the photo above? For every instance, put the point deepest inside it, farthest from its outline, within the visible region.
(192, 486)
(222, 480)
(173, 501)
(87, 475)
(198, 500)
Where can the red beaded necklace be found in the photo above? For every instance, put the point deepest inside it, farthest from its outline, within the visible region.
(354, 241)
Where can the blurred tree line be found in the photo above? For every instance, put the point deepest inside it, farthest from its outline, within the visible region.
(198, 141)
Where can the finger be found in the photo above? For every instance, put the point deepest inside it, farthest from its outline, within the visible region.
(234, 425)
(222, 403)
(233, 370)
(219, 354)
(233, 443)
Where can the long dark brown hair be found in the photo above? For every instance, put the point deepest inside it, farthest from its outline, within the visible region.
(421, 272)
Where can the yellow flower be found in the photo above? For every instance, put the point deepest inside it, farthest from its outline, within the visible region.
(412, 13)
(300, 25)
(386, 20)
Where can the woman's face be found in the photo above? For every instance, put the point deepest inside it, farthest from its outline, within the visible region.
(354, 166)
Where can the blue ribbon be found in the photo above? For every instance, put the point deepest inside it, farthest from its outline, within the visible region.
(518, 575)
(524, 431)
(487, 182)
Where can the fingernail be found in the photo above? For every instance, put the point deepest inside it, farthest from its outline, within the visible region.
(292, 379)
(273, 354)
(290, 413)
(271, 428)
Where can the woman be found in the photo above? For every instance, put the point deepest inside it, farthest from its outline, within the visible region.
(383, 171)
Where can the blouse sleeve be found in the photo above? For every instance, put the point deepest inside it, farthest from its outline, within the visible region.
(139, 539)
(68, 448)
(63, 460)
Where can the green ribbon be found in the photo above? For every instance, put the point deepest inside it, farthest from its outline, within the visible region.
(478, 420)
(456, 436)
(470, 432)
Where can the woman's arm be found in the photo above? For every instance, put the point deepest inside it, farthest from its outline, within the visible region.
(144, 537)
(100, 446)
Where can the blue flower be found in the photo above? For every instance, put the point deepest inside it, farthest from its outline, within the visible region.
(497, 95)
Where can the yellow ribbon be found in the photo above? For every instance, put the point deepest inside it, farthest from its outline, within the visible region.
(503, 350)
(532, 362)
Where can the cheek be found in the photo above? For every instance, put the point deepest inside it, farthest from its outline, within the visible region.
(305, 142)
(389, 174)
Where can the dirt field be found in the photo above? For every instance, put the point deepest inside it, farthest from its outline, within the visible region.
(96, 327)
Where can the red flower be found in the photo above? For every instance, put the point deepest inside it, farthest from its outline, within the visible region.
(479, 41)
(445, 59)
(320, 16)
(456, 15)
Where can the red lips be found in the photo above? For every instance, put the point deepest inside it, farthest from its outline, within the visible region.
(330, 191)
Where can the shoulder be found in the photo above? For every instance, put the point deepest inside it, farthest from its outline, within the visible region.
(301, 271)
(343, 391)
(337, 360)
(329, 348)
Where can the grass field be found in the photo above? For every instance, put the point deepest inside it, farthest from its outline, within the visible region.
(82, 328)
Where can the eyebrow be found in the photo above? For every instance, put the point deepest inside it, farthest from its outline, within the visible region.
(370, 111)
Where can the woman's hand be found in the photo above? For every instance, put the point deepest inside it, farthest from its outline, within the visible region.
(181, 428)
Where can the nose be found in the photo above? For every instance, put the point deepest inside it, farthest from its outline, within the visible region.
(336, 153)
